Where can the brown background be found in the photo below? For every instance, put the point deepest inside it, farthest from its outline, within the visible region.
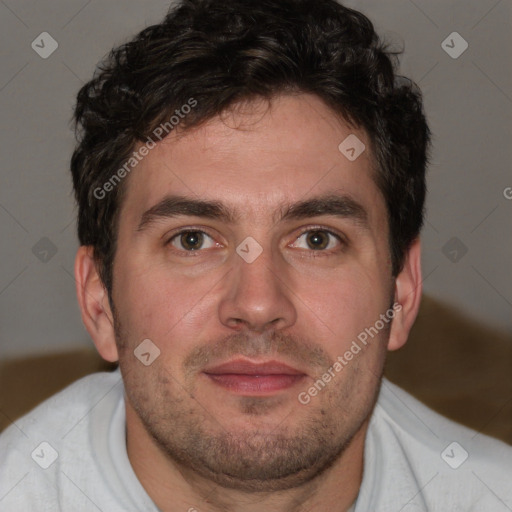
(454, 365)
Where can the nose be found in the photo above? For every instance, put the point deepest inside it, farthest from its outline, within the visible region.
(257, 296)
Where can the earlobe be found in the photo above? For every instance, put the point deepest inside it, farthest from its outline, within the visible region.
(408, 290)
(94, 305)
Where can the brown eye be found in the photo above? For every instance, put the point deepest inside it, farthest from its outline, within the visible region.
(317, 240)
(191, 241)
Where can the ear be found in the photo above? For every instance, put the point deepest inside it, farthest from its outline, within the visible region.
(94, 306)
(408, 289)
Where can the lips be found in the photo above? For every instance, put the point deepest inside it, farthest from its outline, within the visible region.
(250, 368)
(254, 378)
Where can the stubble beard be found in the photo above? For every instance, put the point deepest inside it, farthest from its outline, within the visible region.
(249, 460)
(289, 455)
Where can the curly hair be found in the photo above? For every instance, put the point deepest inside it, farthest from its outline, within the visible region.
(224, 53)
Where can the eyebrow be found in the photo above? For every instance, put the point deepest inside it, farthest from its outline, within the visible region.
(171, 206)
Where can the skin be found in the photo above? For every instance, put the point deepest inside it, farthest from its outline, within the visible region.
(192, 443)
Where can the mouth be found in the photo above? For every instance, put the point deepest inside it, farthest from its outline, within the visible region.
(250, 378)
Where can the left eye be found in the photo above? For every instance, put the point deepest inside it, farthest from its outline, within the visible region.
(317, 240)
(192, 240)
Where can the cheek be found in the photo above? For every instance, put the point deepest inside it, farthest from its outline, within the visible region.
(156, 303)
(342, 306)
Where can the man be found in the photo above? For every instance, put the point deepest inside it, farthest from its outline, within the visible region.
(250, 177)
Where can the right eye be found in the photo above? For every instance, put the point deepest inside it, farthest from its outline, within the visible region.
(190, 240)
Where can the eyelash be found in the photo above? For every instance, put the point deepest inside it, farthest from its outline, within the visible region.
(341, 239)
(324, 252)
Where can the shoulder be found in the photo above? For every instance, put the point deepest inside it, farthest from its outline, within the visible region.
(70, 405)
(37, 449)
(444, 462)
(416, 423)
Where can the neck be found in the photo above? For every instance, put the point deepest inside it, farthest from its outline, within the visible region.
(173, 487)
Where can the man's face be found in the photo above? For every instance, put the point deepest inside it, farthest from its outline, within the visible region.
(219, 399)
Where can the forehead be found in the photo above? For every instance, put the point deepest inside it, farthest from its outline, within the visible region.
(255, 158)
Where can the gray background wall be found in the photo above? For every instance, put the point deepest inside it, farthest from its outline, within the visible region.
(467, 238)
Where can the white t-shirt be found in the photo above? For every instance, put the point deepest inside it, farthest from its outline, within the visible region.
(69, 454)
